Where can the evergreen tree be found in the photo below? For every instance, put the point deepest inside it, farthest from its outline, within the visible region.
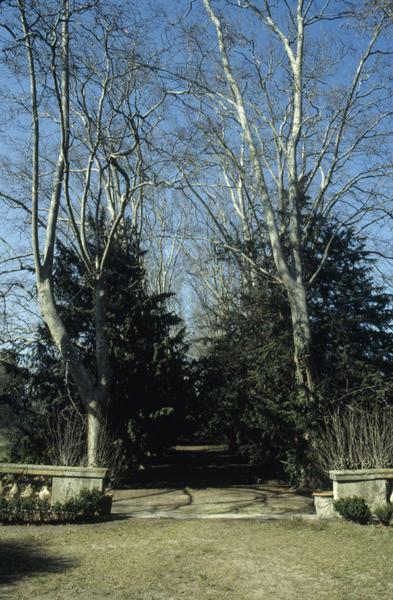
(148, 353)
(248, 391)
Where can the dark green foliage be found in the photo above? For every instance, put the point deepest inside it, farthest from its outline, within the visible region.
(247, 392)
(384, 513)
(20, 414)
(148, 353)
(20, 505)
(351, 315)
(244, 394)
(22, 509)
(353, 508)
(87, 505)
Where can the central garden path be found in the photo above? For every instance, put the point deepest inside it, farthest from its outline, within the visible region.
(207, 482)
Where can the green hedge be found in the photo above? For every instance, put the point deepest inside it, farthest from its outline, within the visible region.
(88, 505)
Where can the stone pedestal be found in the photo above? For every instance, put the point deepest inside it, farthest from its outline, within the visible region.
(68, 487)
(323, 502)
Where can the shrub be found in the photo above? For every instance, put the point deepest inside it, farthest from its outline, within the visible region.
(354, 437)
(89, 504)
(353, 508)
(384, 513)
(22, 509)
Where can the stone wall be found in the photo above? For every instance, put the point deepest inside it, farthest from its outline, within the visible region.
(374, 485)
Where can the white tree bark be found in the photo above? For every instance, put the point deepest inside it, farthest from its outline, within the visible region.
(289, 275)
(102, 118)
(282, 171)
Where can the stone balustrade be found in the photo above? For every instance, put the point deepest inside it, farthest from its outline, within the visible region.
(66, 481)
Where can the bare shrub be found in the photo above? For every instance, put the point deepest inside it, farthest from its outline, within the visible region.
(355, 438)
(68, 445)
(110, 453)
(67, 438)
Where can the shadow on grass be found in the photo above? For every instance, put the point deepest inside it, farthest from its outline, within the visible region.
(20, 560)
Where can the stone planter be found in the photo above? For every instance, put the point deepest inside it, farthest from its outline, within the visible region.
(323, 502)
(374, 485)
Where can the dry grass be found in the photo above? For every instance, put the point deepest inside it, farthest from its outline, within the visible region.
(197, 560)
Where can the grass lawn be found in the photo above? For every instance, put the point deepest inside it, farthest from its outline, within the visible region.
(196, 560)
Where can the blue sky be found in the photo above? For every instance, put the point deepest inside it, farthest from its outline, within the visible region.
(330, 37)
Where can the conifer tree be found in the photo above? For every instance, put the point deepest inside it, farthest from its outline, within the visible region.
(148, 354)
(248, 389)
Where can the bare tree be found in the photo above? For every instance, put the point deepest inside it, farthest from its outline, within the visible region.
(165, 231)
(293, 111)
(95, 88)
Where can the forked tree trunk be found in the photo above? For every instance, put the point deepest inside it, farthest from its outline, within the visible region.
(62, 340)
(121, 185)
(91, 396)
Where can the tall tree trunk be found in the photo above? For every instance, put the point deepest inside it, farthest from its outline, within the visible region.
(120, 177)
(62, 340)
(98, 404)
(306, 375)
(92, 397)
(94, 426)
(102, 349)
